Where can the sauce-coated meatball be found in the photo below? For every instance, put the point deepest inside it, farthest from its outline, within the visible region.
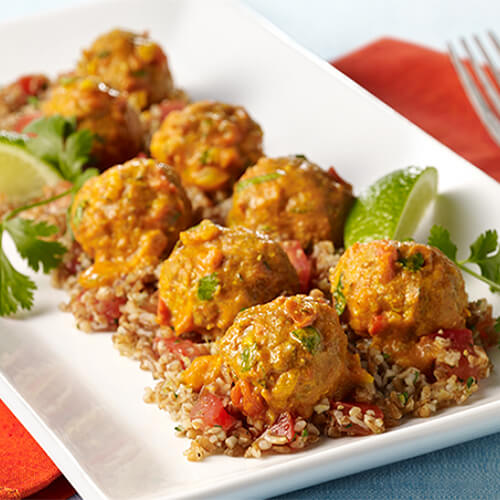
(215, 272)
(129, 217)
(291, 198)
(398, 291)
(116, 126)
(210, 144)
(131, 63)
(290, 353)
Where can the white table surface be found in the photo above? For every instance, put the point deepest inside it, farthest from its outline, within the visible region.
(331, 28)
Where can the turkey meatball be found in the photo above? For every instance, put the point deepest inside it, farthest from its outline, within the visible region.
(130, 216)
(215, 272)
(290, 198)
(209, 143)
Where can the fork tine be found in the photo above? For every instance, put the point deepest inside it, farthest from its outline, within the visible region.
(491, 91)
(494, 68)
(477, 100)
(494, 40)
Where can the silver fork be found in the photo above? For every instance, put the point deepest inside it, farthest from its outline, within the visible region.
(484, 110)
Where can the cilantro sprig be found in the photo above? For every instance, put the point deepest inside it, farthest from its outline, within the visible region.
(484, 252)
(58, 142)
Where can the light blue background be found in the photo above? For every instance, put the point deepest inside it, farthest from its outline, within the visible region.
(330, 29)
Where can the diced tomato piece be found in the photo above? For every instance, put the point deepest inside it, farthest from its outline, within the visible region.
(246, 399)
(24, 120)
(336, 177)
(354, 429)
(299, 261)
(32, 84)
(461, 340)
(169, 106)
(284, 426)
(163, 314)
(210, 409)
(377, 324)
(182, 348)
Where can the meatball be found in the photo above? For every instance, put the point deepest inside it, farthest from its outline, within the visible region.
(398, 291)
(129, 217)
(210, 144)
(291, 198)
(289, 354)
(215, 272)
(116, 126)
(131, 63)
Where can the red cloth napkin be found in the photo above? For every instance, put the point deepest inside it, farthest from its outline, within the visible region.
(422, 85)
(419, 83)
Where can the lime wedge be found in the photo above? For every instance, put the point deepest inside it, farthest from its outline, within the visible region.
(392, 207)
(22, 175)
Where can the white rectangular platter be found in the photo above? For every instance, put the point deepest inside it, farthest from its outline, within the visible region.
(80, 399)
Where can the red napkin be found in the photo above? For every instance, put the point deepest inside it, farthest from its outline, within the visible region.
(422, 85)
(419, 83)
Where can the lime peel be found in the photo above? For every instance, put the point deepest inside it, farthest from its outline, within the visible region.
(392, 207)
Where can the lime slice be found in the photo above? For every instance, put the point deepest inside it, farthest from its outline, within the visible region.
(22, 175)
(392, 207)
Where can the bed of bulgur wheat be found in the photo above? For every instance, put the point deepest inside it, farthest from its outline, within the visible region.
(128, 308)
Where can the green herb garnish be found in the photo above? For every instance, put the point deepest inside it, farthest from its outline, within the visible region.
(58, 143)
(139, 73)
(413, 263)
(207, 286)
(339, 297)
(469, 382)
(178, 428)
(33, 101)
(259, 179)
(417, 374)
(248, 356)
(309, 337)
(403, 397)
(205, 157)
(103, 54)
(484, 252)
(305, 433)
(302, 157)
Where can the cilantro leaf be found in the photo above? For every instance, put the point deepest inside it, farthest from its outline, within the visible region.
(486, 255)
(76, 152)
(413, 263)
(26, 235)
(207, 286)
(309, 337)
(484, 252)
(58, 142)
(339, 297)
(439, 237)
(16, 289)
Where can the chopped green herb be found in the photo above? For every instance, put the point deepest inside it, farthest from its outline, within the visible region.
(484, 251)
(347, 426)
(386, 355)
(302, 157)
(176, 395)
(417, 374)
(217, 425)
(67, 80)
(305, 433)
(497, 325)
(413, 263)
(205, 157)
(77, 218)
(34, 101)
(207, 286)
(469, 382)
(139, 73)
(338, 296)
(259, 179)
(309, 337)
(240, 277)
(403, 397)
(266, 264)
(103, 54)
(248, 357)
(178, 428)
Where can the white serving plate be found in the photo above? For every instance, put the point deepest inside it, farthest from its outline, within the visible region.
(80, 399)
